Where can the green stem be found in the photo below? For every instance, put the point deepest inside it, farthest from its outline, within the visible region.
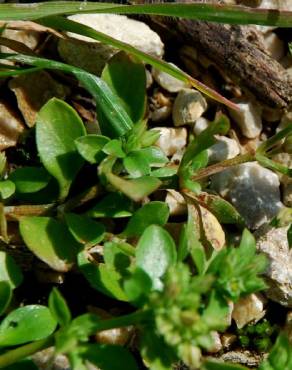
(22, 352)
(218, 167)
(118, 322)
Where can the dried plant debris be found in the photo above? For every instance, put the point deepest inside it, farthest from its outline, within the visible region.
(145, 219)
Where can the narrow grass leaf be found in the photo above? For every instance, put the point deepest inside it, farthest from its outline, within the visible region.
(71, 26)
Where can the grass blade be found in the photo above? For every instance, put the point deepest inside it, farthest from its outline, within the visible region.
(209, 12)
(71, 26)
(109, 104)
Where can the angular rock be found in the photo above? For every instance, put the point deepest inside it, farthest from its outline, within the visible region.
(248, 309)
(273, 243)
(11, 126)
(33, 90)
(91, 55)
(188, 106)
(248, 118)
(200, 125)
(171, 140)
(225, 148)
(46, 360)
(167, 82)
(217, 345)
(252, 189)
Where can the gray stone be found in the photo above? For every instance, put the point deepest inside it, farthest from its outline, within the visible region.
(248, 118)
(189, 105)
(273, 242)
(225, 148)
(252, 189)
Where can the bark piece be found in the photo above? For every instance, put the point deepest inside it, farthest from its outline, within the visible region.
(229, 49)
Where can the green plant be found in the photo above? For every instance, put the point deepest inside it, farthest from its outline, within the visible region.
(178, 293)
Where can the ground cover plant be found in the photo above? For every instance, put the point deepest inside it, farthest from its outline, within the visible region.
(120, 288)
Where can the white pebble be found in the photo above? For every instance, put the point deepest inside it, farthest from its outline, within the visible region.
(248, 119)
(189, 105)
(171, 140)
(200, 125)
(248, 309)
(252, 189)
(274, 46)
(168, 82)
(225, 148)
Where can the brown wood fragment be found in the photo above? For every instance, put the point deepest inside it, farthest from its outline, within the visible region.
(230, 49)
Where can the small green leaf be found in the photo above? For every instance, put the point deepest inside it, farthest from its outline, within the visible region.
(109, 357)
(154, 156)
(136, 164)
(9, 271)
(205, 139)
(126, 76)
(149, 138)
(59, 308)
(135, 189)
(50, 241)
(115, 148)
(151, 213)
(84, 229)
(26, 324)
(155, 253)
(164, 172)
(5, 296)
(101, 277)
(113, 205)
(90, 147)
(137, 287)
(57, 127)
(7, 188)
(30, 179)
(195, 247)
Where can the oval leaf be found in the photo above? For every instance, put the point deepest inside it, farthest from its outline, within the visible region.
(50, 241)
(30, 179)
(109, 357)
(7, 188)
(126, 76)
(85, 230)
(135, 189)
(113, 205)
(90, 147)
(59, 308)
(9, 271)
(101, 277)
(26, 324)
(151, 213)
(58, 125)
(155, 253)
